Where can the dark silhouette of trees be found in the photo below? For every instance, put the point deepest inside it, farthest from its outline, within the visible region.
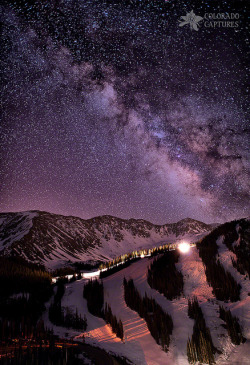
(93, 293)
(114, 269)
(17, 276)
(20, 320)
(41, 355)
(200, 347)
(164, 277)
(25, 287)
(116, 325)
(60, 291)
(224, 285)
(159, 323)
(242, 248)
(63, 271)
(136, 255)
(232, 326)
(81, 265)
(161, 249)
(62, 316)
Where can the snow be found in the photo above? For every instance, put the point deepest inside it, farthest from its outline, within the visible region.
(65, 237)
(195, 284)
(240, 309)
(22, 227)
(139, 346)
(93, 274)
(111, 249)
(137, 330)
(98, 332)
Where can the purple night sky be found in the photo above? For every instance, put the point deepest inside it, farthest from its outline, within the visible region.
(112, 108)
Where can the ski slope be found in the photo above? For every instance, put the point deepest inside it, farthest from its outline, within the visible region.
(138, 345)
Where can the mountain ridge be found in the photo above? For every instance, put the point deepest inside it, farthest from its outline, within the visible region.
(103, 216)
(54, 239)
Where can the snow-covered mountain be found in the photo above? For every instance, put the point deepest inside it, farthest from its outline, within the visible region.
(54, 239)
(231, 243)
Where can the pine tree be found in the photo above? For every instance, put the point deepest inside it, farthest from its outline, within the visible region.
(233, 327)
(200, 347)
(159, 323)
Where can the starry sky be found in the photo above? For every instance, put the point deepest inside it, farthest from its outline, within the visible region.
(110, 107)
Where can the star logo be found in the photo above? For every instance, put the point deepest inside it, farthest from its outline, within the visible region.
(191, 19)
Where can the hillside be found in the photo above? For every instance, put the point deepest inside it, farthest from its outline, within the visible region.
(139, 346)
(55, 239)
(171, 308)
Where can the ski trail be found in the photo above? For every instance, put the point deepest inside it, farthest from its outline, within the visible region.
(135, 328)
(177, 308)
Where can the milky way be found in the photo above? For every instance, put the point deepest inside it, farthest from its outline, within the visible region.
(110, 107)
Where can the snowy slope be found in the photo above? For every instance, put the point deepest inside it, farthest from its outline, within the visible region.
(55, 240)
(238, 354)
(136, 329)
(19, 224)
(139, 345)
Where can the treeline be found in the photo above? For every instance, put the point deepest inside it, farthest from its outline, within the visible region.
(232, 326)
(242, 249)
(17, 276)
(94, 294)
(81, 265)
(63, 271)
(63, 316)
(66, 279)
(164, 277)
(223, 283)
(200, 347)
(119, 260)
(114, 269)
(136, 254)
(39, 355)
(19, 319)
(25, 288)
(161, 249)
(116, 325)
(159, 323)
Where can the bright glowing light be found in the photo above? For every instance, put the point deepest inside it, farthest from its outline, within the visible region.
(89, 275)
(184, 247)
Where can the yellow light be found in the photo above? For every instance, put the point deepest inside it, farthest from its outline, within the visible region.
(184, 247)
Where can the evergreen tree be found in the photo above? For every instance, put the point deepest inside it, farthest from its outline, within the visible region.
(224, 285)
(93, 293)
(233, 327)
(200, 347)
(159, 323)
(116, 325)
(164, 277)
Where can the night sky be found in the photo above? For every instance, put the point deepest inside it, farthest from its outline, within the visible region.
(110, 107)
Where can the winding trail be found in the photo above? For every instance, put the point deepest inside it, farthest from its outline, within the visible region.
(139, 346)
(135, 327)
